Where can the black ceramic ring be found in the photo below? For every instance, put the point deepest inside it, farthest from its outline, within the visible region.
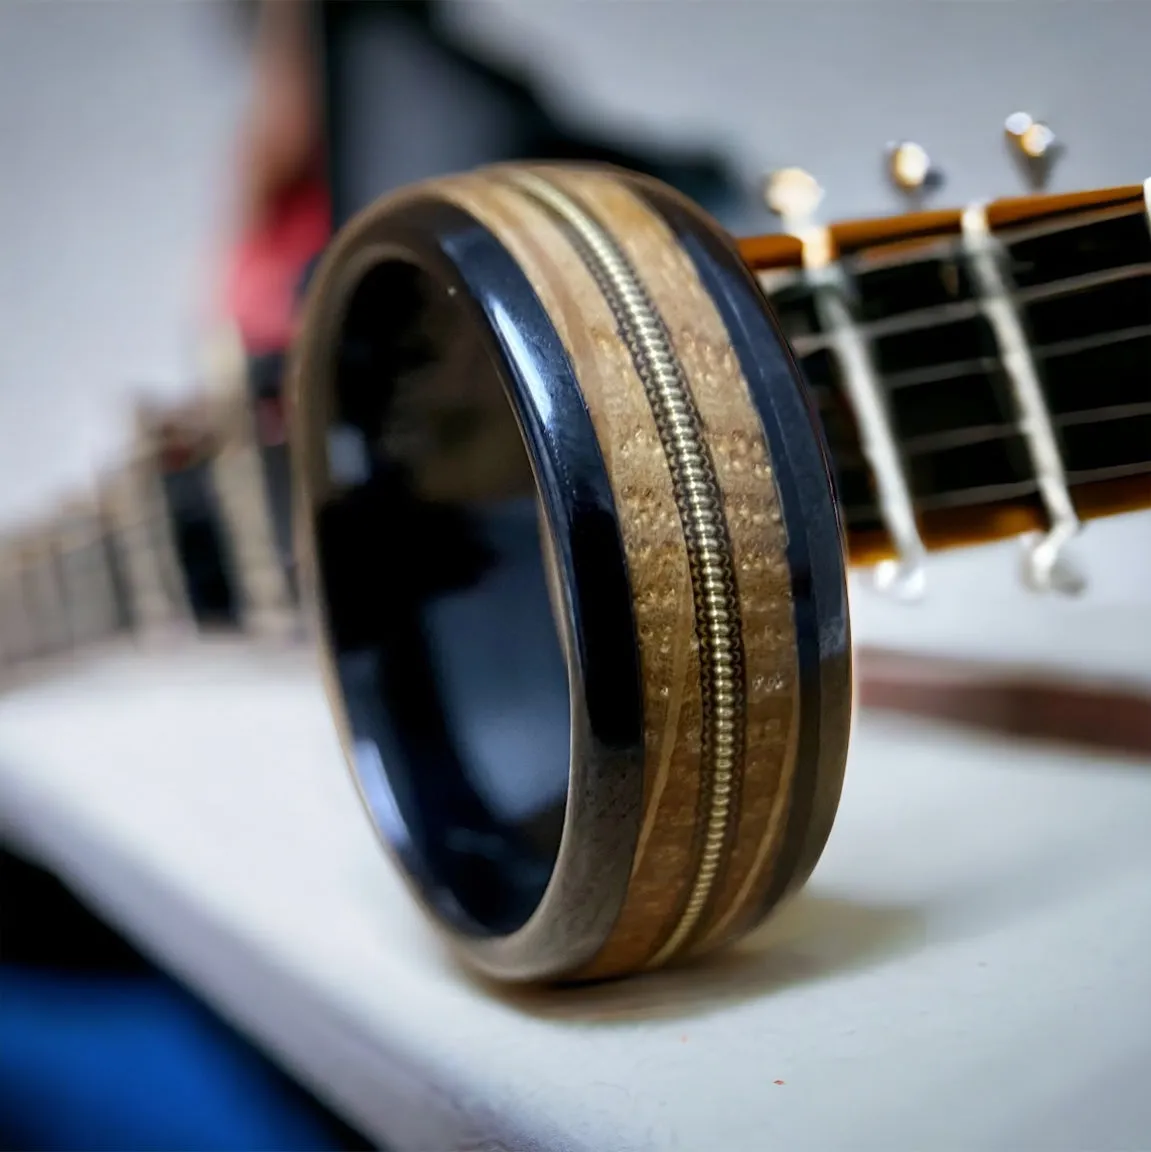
(565, 514)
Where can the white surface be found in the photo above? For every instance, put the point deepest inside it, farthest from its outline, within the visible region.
(969, 967)
(976, 607)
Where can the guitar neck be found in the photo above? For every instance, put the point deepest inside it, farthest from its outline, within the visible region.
(980, 373)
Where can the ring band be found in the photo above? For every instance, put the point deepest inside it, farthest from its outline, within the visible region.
(567, 517)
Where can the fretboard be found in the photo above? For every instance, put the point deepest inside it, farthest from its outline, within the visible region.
(980, 373)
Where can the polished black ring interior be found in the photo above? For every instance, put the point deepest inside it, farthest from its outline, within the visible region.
(469, 529)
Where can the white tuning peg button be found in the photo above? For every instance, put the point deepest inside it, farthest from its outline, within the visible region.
(794, 195)
(1031, 137)
(1034, 144)
(910, 168)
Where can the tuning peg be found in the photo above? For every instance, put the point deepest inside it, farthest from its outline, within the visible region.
(910, 169)
(794, 195)
(1034, 146)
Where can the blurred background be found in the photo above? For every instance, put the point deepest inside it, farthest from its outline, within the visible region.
(120, 131)
(125, 145)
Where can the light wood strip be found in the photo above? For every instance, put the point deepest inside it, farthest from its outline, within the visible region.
(743, 469)
(655, 551)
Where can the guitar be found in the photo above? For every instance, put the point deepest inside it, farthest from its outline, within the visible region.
(979, 373)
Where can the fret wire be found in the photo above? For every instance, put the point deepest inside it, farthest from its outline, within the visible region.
(1111, 472)
(934, 317)
(866, 260)
(1104, 415)
(895, 326)
(937, 373)
(931, 442)
(999, 494)
(890, 252)
(1087, 343)
(948, 246)
(1065, 222)
(943, 314)
(983, 494)
(1072, 284)
(984, 254)
(988, 365)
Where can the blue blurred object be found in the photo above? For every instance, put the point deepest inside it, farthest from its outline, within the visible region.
(133, 1062)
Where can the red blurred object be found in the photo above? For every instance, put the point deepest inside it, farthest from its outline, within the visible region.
(266, 265)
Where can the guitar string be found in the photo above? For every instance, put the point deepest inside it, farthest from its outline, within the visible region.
(990, 366)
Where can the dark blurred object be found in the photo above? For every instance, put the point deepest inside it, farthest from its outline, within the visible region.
(1012, 701)
(185, 444)
(45, 926)
(265, 381)
(403, 101)
(406, 100)
(98, 1049)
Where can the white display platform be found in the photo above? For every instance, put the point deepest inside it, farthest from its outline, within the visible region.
(970, 966)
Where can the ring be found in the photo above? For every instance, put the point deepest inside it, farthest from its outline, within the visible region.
(567, 521)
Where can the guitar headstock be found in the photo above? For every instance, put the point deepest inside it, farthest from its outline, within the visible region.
(978, 369)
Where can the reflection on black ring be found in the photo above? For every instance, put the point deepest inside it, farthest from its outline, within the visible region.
(437, 603)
